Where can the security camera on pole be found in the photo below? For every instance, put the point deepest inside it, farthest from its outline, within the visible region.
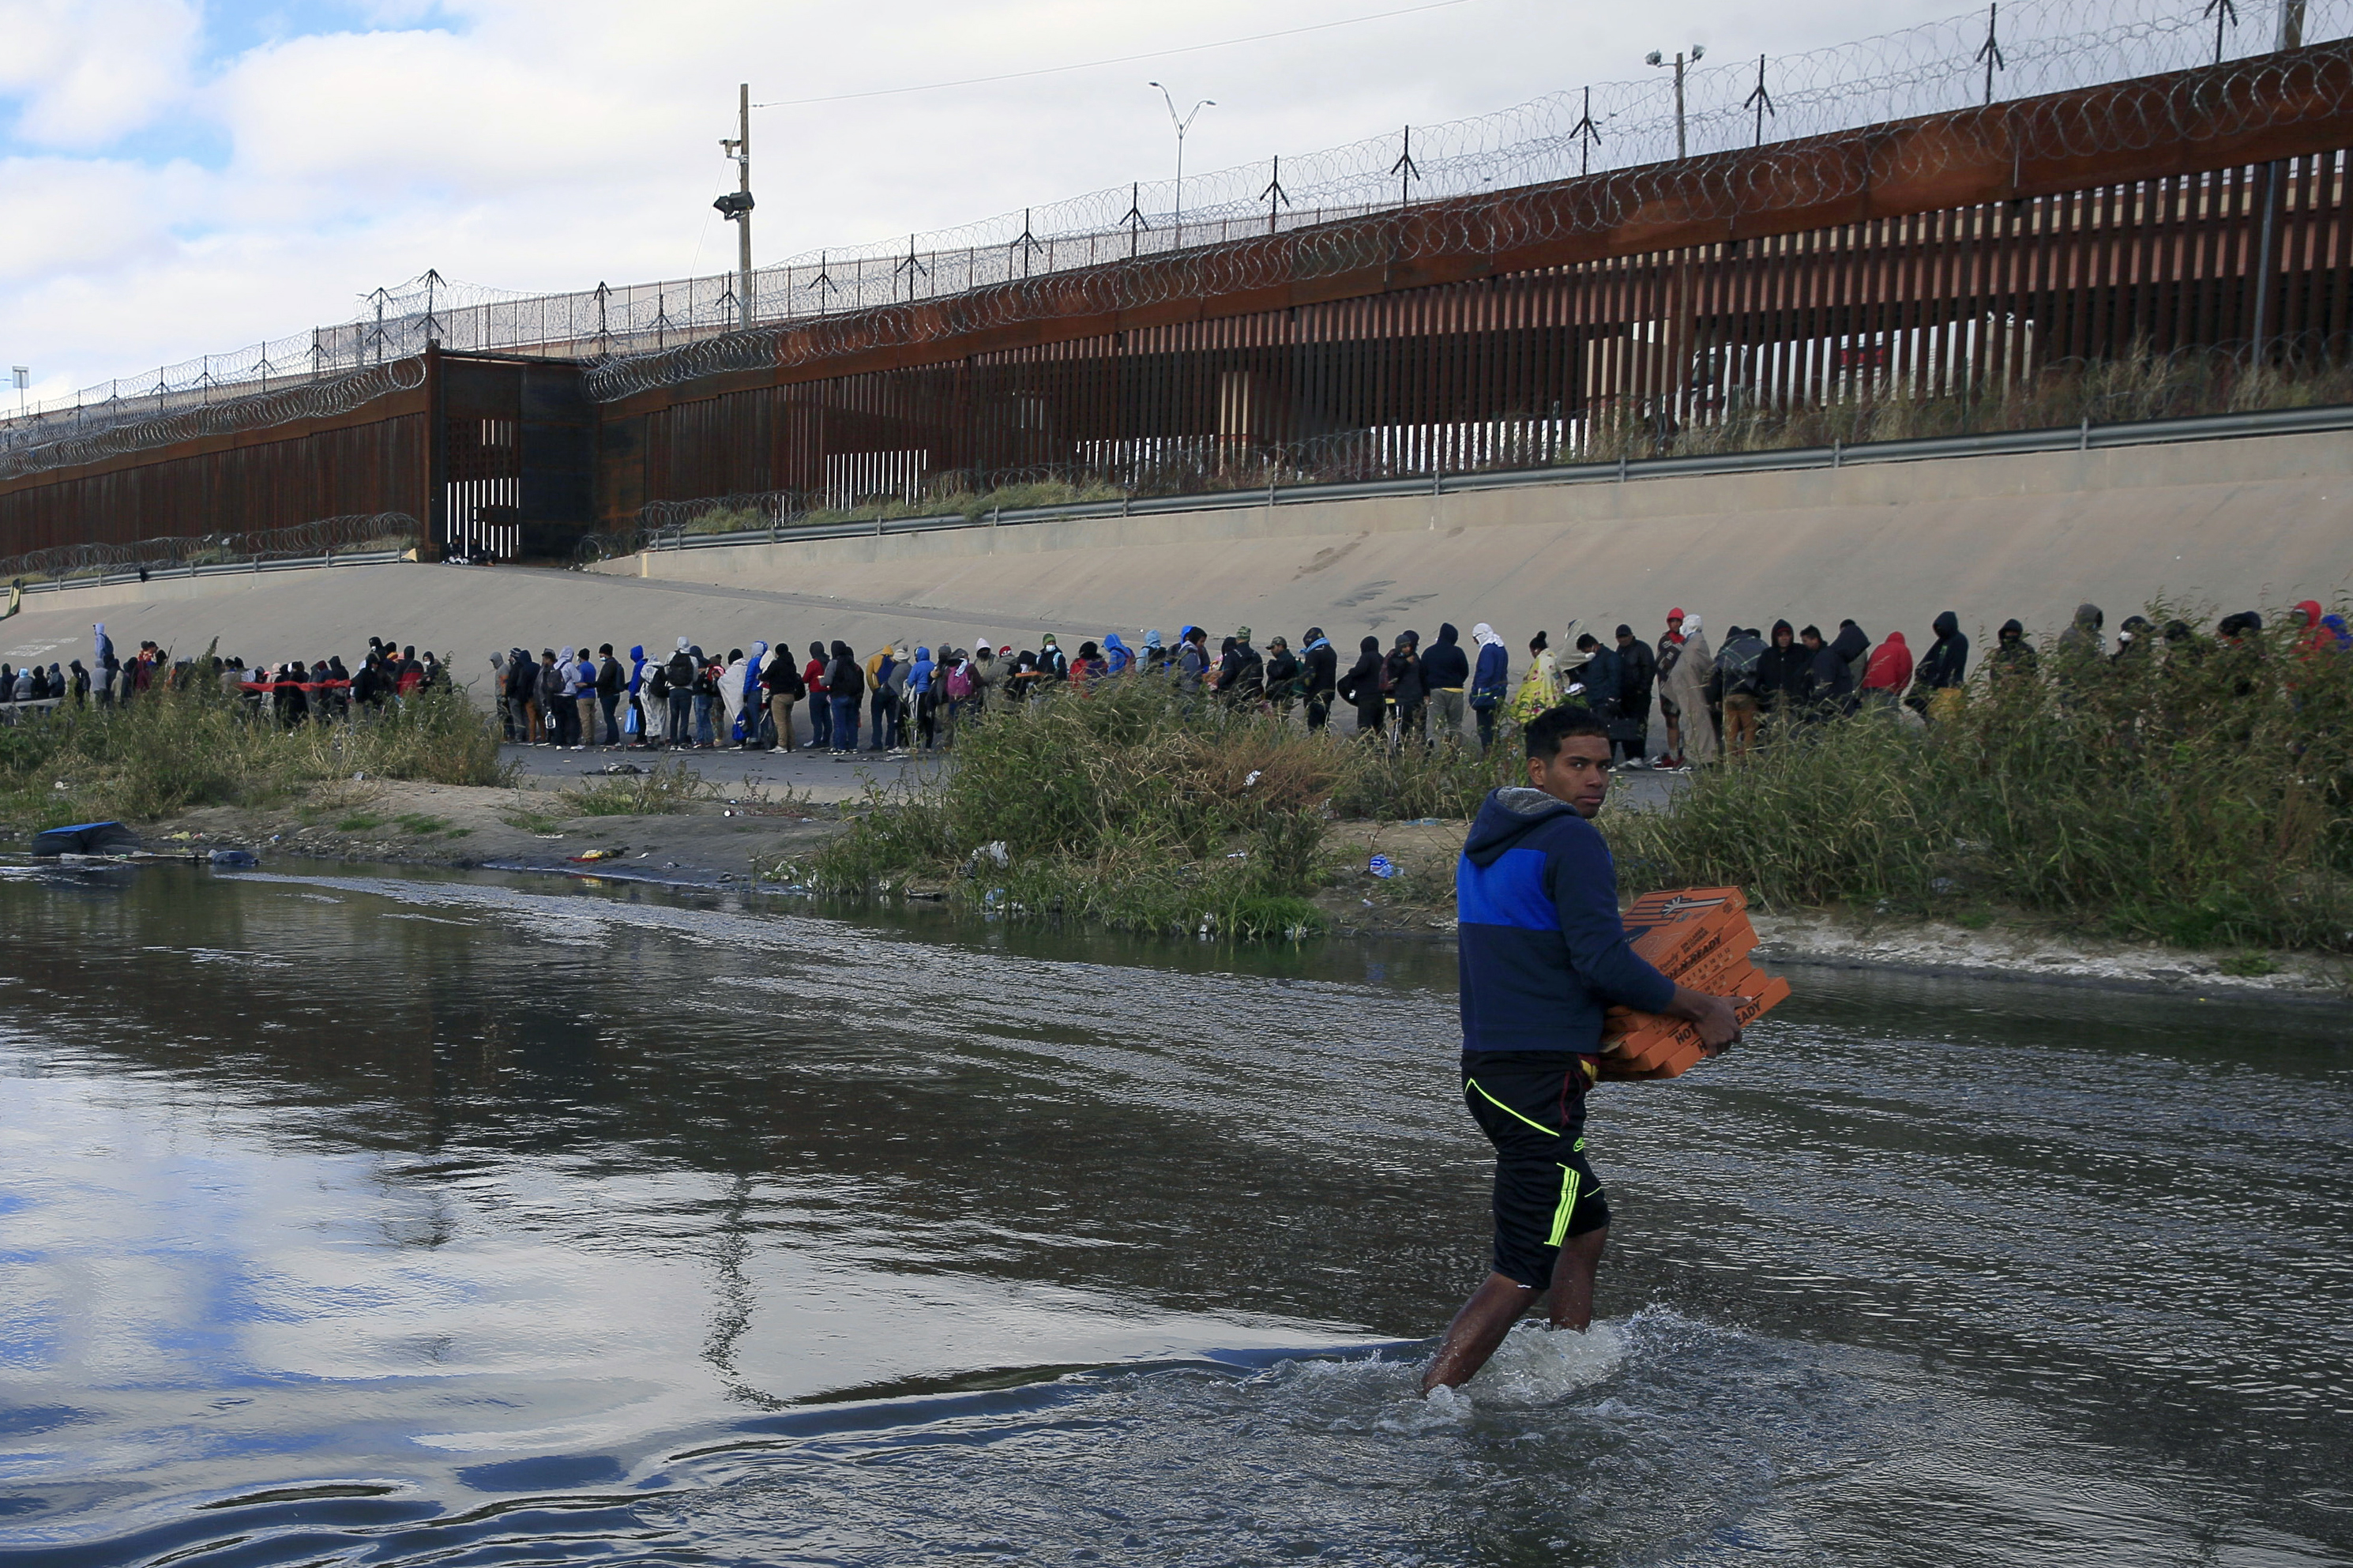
(736, 204)
(1698, 53)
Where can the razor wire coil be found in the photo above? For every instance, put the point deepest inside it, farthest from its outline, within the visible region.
(301, 541)
(1127, 246)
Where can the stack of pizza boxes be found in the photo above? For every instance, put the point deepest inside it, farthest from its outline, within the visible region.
(1697, 937)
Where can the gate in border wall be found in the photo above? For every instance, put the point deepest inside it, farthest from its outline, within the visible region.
(512, 456)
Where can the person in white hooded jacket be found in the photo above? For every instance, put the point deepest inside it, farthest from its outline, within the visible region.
(1683, 670)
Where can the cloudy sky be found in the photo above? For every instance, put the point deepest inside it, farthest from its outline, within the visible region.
(179, 176)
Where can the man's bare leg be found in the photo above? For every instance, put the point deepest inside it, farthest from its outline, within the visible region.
(1572, 1279)
(1500, 1302)
(1477, 1330)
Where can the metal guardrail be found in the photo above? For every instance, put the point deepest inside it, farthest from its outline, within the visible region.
(2085, 436)
(217, 569)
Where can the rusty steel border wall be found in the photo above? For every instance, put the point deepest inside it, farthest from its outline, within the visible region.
(1947, 257)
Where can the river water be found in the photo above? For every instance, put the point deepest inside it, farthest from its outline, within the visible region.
(450, 1220)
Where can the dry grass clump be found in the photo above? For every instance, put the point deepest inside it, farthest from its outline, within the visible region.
(661, 790)
(1126, 804)
(2197, 791)
(191, 744)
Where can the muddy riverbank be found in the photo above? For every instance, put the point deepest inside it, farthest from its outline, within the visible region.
(1388, 880)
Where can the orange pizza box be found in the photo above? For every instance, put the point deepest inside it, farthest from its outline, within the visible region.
(1718, 965)
(1669, 906)
(1681, 1060)
(1648, 1045)
(1673, 949)
(1709, 953)
(1753, 993)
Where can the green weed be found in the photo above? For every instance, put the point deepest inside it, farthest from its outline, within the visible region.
(529, 818)
(189, 744)
(2196, 792)
(1126, 805)
(661, 790)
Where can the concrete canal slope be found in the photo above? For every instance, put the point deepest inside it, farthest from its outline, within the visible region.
(2229, 523)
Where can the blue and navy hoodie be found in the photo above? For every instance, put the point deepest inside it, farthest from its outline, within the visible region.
(1541, 951)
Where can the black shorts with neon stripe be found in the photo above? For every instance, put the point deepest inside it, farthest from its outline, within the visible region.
(1545, 1190)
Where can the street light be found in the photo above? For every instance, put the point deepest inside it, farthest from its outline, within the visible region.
(1181, 126)
(1698, 52)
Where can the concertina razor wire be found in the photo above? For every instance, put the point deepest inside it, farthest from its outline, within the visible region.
(354, 532)
(645, 335)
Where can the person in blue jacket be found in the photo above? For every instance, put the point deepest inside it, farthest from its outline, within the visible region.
(1542, 956)
(1490, 681)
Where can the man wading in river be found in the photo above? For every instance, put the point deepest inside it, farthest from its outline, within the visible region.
(1543, 954)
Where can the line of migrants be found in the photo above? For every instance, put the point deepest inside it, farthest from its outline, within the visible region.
(1711, 702)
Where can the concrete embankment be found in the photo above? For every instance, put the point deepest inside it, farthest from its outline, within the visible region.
(2228, 523)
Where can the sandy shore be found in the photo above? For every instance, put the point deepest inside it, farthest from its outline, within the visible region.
(733, 840)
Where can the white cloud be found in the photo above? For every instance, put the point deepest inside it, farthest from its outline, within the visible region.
(85, 72)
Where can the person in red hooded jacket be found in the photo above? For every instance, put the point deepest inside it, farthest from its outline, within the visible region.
(2313, 634)
(1889, 673)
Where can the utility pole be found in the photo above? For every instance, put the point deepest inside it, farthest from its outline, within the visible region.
(1698, 53)
(736, 206)
(2290, 25)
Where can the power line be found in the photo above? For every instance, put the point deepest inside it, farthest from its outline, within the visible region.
(1116, 59)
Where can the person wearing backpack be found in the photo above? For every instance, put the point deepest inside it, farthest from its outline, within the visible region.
(1360, 688)
(882, 706)
(1740, 667)
(702, 689)
(923, 698)
(1053, 664)
(1284, 677)
(657, 705)
(609, 682)
(1192, 660)
(845, 682)
(1241, 672)
(988, 680)
(636, 722)
(956, 692)
(678, 678)
(1401, 686)
(784, 685)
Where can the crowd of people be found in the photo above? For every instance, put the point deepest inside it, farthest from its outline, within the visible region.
(1713, 701)
(288, 693)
